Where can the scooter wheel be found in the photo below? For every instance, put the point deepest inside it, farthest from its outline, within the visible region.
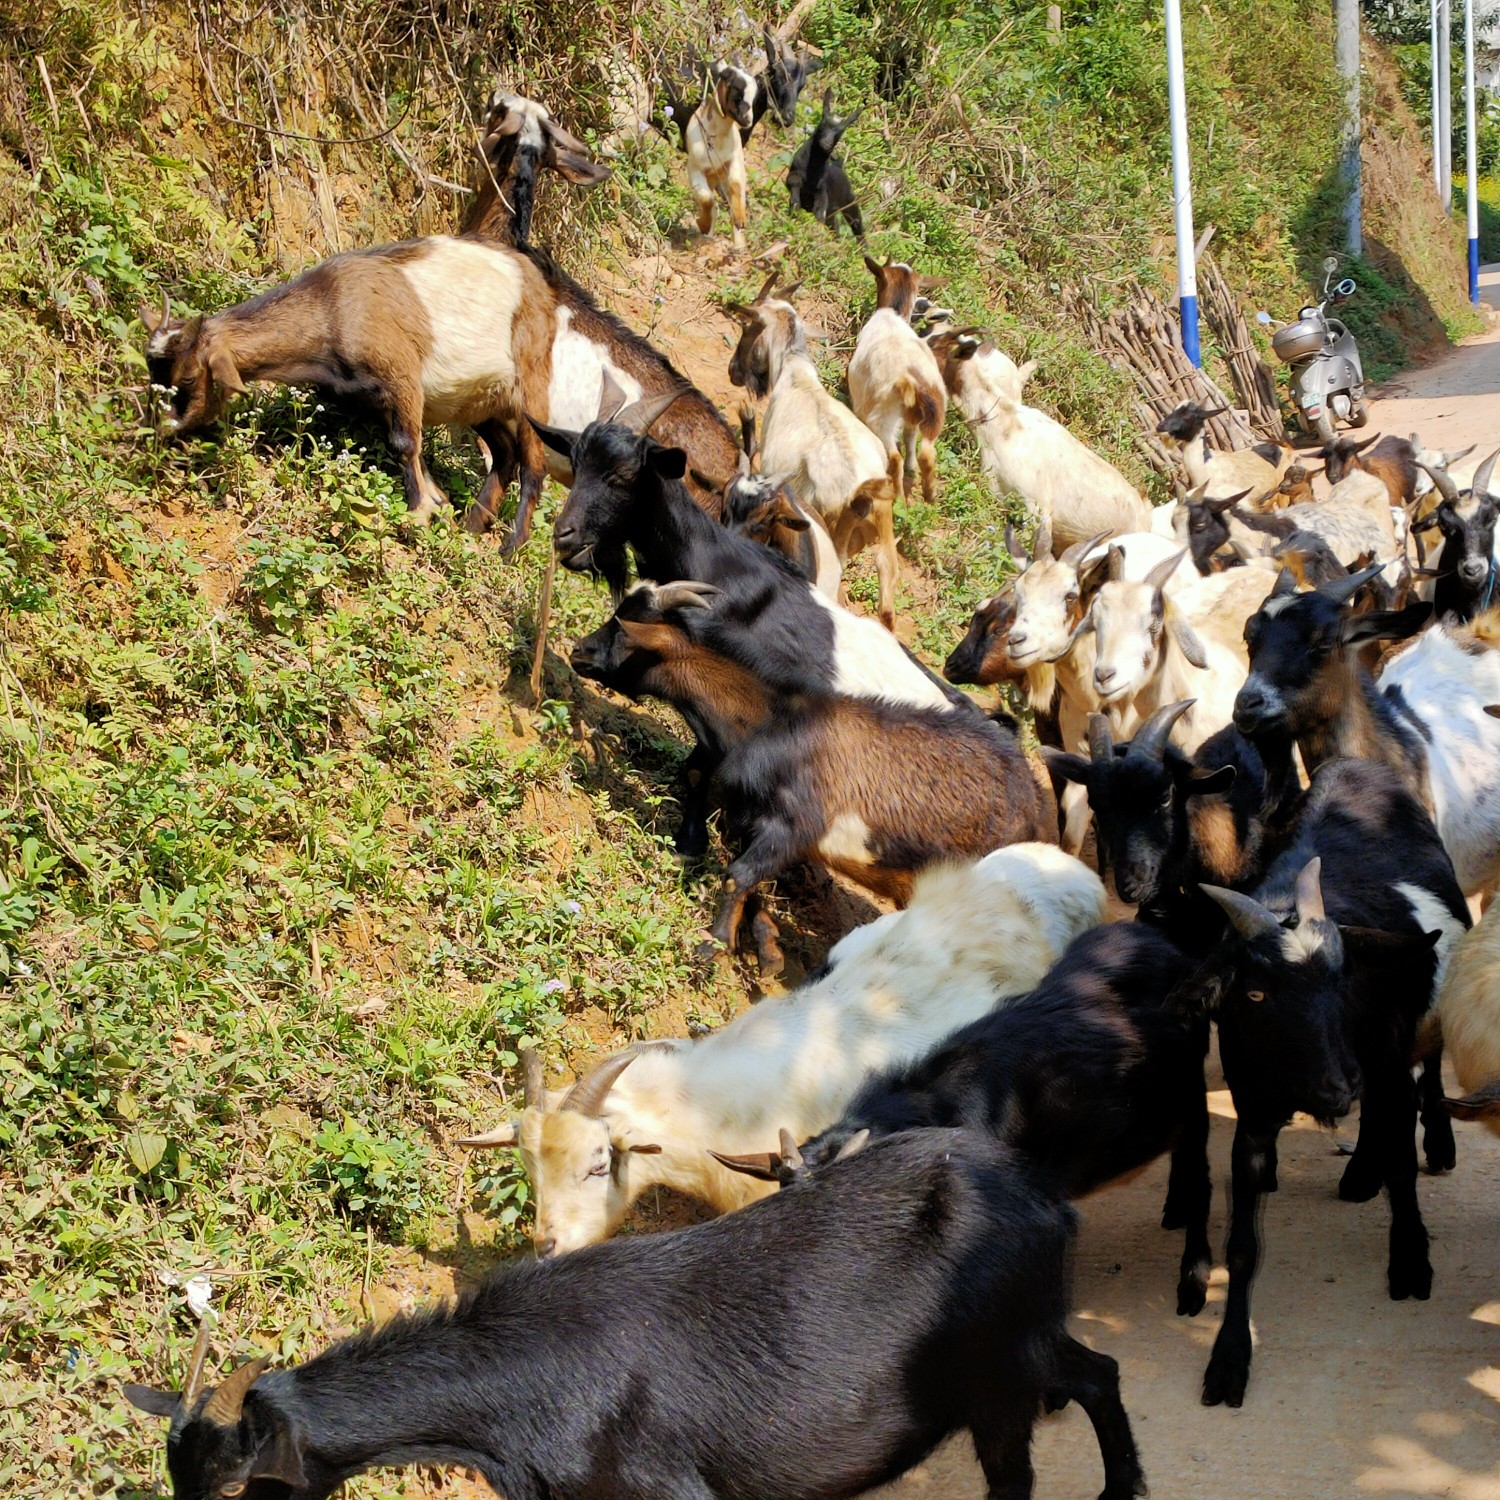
(1323, 425)
(1359, 414)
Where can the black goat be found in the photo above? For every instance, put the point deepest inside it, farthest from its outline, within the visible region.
(915, 1290)
(1317, 994)
(816, 179)
(787, 70)
(873, 789)
(1167, 821)
(1466, 565)
(1090, 1077)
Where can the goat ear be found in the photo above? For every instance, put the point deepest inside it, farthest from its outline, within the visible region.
(861, 506)
(558, 439)
(1207, 783)
(152, 1401)
(281, 1446)
(792, 518)
(580, 170)
(875, 269)
(813, 64)
(1026, 371)
(670, 463)
(647, 1149)
(1064, 766)
(1187, 640)
(1384, 625)
(222, 367)
(747, 316)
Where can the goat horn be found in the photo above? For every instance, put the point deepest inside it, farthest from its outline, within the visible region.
(645, 413)
(533, 1088)
(1079, 550)
(1017, 551)
(224, 1406)
(1481, 485)
(1101, 742)
(765, 290)
(685, 595)
(1286, 583)
(501, 1135)
(765, 1165)
(1310, 892)
(1442, 481)
(1342, 590)
(1246, 915)
(854, 1145)
(586, 1097)
(1041, 545)
(790, 1153)
(611, 399)
(192, 1387)
(1151, 738)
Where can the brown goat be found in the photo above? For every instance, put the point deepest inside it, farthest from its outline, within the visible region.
(1391, 460)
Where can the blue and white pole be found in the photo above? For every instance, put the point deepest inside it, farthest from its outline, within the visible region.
(1182, 186)
(1471, 154)
(1437, 107)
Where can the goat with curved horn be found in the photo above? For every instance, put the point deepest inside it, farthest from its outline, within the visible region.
(1481, 485)
(228, 1400)
(587, 1096)
(1246, 915)
(1152, 737)
(1342, 590)
(642, 415)
(1101, 741)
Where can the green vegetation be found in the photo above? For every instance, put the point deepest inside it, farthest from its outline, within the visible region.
(289, 865)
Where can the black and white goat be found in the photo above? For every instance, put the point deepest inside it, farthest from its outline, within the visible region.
(915, 1290)
(1466, 566)
(1331, 964)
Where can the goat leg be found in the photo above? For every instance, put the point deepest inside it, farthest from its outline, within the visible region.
(1189, 1198)
(1093, 1381)
(423, 497)
(1391, 1105)
(1002, 1441)
(768, 854)
(769, 958)
(1364, 1172)
(1228, 1371)
(533, 473)
(1437, 1125)
(692, 797)
(504, 455)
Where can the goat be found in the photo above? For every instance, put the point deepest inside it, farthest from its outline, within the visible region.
(988, 365)
(972, 937)
(1152, 649)
(1317, 994)
(627, 498)
(436, 330)
(1258, 469)
(520, 137)
(873, 790)
(835, 465)
(1424, 718)
(761, 507)
(715, 152)
(1065, 484)
(1466, 566)
(1166, 821)
(786, 73)
(912, 1291)
(1429, 459)
(1090, 1078)
(816, 181)
(1468, 1007)
(895, 385)
(1391, 460)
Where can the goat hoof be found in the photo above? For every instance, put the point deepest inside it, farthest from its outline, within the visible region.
(711, 951)
(1224, 1382)
(478, 520)
(1360, 1181)
(1192, 1296)
(1439, 1148)
(1413, 1279)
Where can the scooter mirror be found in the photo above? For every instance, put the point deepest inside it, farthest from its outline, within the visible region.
(1346, 288)
(1263, 318)
(1331, 264)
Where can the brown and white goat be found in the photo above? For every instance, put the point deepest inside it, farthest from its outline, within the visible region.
(1391, 460)
(895, 385)
(521, 137)
(834, 464)
(453, 330)
(715, 152)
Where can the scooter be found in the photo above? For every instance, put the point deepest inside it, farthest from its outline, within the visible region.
(1328, 381)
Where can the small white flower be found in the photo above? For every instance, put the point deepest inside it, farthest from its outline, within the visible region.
(199, 1292)
(573, 908)
(667, 111)
(554, 987)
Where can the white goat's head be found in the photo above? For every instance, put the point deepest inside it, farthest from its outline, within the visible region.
(1051, 602)
(1130, 621)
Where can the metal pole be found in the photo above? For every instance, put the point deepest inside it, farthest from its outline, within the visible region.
(1471, 154)
(1437, 105)
(1445, 105)
(1346, 52)
(1182, 186)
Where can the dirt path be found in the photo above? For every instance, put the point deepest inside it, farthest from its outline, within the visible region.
(1455, 400)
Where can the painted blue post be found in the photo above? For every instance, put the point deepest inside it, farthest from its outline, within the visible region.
(1182, 186)
(1471, 154)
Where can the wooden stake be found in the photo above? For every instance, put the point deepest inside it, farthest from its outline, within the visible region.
(543, 619)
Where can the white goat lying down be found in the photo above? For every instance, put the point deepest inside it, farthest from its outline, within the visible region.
(1069, 487)
(972, 938)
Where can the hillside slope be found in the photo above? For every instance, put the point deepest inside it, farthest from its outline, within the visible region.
(289, 865)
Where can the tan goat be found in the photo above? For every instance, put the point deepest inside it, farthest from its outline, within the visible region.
(715, 152)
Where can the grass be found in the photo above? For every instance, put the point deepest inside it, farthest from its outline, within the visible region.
(290, 867)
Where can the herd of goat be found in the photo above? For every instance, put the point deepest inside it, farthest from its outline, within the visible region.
(1306, 818)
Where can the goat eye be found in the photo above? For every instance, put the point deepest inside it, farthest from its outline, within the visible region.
(1072, 596)
(1166, 802)
(601, 1169)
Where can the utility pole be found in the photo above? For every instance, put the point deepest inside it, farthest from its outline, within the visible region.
(1182, 186)
(1346, 52)
(1445, 105)
(1437, 103)
(1471, 154)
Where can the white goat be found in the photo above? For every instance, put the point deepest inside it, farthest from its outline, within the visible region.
(1258, 469)
(832, 462)
(1468, 1007)
(972, 938)
(1066, 484)
(895, 385)
(1152, 649)
(715, 153)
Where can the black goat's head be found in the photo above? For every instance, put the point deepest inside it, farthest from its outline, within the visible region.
(787, 71)
(982, 658)
(1183, 423)
(646, 629)
(829, 130)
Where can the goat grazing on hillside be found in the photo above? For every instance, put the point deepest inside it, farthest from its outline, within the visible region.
(895, 385)
(1331, 965)
(715, 152)
(780, 86)
(520, 138)
(873, 790)
(816, 180)
(833, 462)
(973, 937)
(912, 1291)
